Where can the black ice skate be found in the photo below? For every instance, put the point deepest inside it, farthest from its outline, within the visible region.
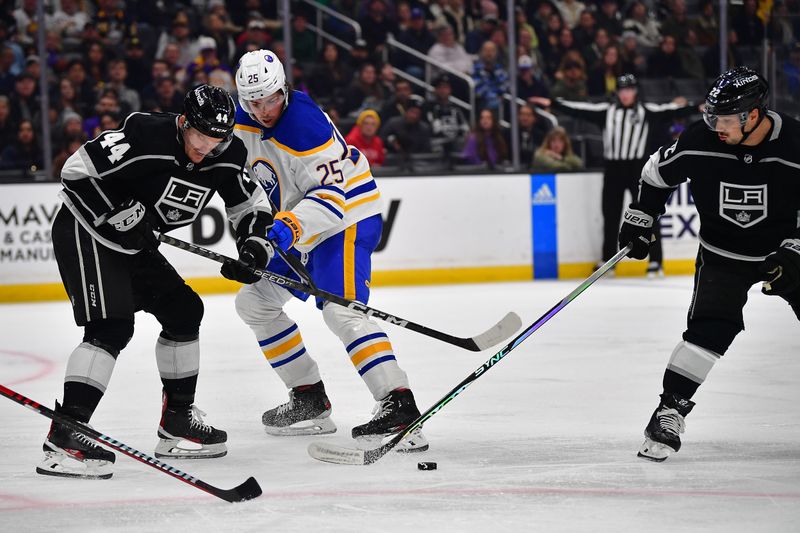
(69, 453)
(392, 414)
(662, 434)
(184, 435)
(307, 412)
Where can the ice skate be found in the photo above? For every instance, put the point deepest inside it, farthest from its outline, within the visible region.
(184, 435)
(69, 453)
(307, 412)
(392, 414)
(655, 270)
(662, 434)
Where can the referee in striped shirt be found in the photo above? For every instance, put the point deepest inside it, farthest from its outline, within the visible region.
(630, 134)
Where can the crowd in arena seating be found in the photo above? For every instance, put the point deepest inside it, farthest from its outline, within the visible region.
(107, 58)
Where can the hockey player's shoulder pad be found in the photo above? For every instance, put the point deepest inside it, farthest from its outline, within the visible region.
(244, 122)
(303, 129)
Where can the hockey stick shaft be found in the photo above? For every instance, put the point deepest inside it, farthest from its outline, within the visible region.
(510, 322)
(246, 491)
(370, 456)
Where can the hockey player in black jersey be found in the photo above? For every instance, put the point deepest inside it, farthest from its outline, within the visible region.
(743, 163)
(156, 173)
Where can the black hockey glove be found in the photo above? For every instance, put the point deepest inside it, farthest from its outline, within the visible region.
(637, 229)
(255, 252)
(134, 230)
(781, 269)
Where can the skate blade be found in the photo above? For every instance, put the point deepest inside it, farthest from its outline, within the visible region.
(317, 426)
(62, 465)
(186, 449)
(654, 451)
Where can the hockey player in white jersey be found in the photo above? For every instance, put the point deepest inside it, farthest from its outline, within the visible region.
(327, 212)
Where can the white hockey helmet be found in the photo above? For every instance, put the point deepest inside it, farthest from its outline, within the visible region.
(260, 74)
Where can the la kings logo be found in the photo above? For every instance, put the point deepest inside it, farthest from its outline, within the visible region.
(181, 202)
(744, 205)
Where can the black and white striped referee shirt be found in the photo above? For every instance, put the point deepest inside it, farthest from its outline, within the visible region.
(628, 133)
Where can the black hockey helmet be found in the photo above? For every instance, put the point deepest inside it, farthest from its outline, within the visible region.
(736, 92)
(211, 111)
(627, 81)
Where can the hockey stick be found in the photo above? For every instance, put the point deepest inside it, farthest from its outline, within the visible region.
(246, 491)
(343, 455)
(494, 335)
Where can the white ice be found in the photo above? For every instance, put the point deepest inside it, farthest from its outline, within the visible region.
(545, 441)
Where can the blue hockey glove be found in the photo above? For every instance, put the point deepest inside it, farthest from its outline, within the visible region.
(285, 231)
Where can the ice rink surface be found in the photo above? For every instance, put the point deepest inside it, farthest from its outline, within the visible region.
(546, 441)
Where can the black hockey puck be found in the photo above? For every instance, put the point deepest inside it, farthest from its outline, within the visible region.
(426, 466)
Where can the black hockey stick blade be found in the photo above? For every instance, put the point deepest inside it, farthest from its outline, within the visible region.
(342, 455)
(491, 337)
(246, 491)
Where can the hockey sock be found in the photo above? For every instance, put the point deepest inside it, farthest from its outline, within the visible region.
(688, 368)
(369, 350)
(178, 364)
(88, 372)
(80, 400)
(285, 351)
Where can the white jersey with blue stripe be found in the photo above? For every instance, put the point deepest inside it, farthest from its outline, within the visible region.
(305, 166)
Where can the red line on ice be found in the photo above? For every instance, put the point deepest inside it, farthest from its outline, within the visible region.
(47, 366)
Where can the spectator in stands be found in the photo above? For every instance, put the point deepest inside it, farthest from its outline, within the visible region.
(375, 27)
(570, 11)
(643, 25)
(459, 19)
(6, 64)
(110, 121)
(111, 22)
(476, 38)
(167, 97)
(24, 104)
(584, 32)
(550, 44)
(784, 29)
(485, 143)
(706, 24)
(107, 103)
(365, 92)
(665, 62)
(68, 147)
(417, 37)
(69, 21)
(408, 134)
(214, 27)
(571, 84)
(711, 55)
(386, 79)
(609, 18)
(23, 152)
(359, 55)
(448, 124)
(396, 105)
(7, 126)
(691, 62)
(566, 44)
(526, 32)
(224, 79)
(96, 64)
(449, 52)
(529, 81)
(500, 40)
(70, 126)
(491, 80)
(136, 65)
(603, 76)
(117, 75)
(403, 16)
(330, 75)
(180, 36)
(633, 60)
(791, 72)
(76, 72)
(748, 26)
(158, 69)
(304, 42)
(555, 154)
(206, 59)
(532, 132)
(25, 18)
(364, 136)
(677, 23)
(594, 52)
(255, 37)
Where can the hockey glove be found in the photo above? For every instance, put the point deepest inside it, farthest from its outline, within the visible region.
(285, 231)
(255, 252)
(637, 229)
(781, 269)
(134, 230)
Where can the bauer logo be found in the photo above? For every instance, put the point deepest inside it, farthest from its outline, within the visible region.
(181, 202)
(744, 205)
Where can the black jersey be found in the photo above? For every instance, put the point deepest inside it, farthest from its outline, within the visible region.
(629, 133)
(145, 161)
(748, 197)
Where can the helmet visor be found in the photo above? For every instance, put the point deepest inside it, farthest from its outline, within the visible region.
(203, 144)
(723, 123)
